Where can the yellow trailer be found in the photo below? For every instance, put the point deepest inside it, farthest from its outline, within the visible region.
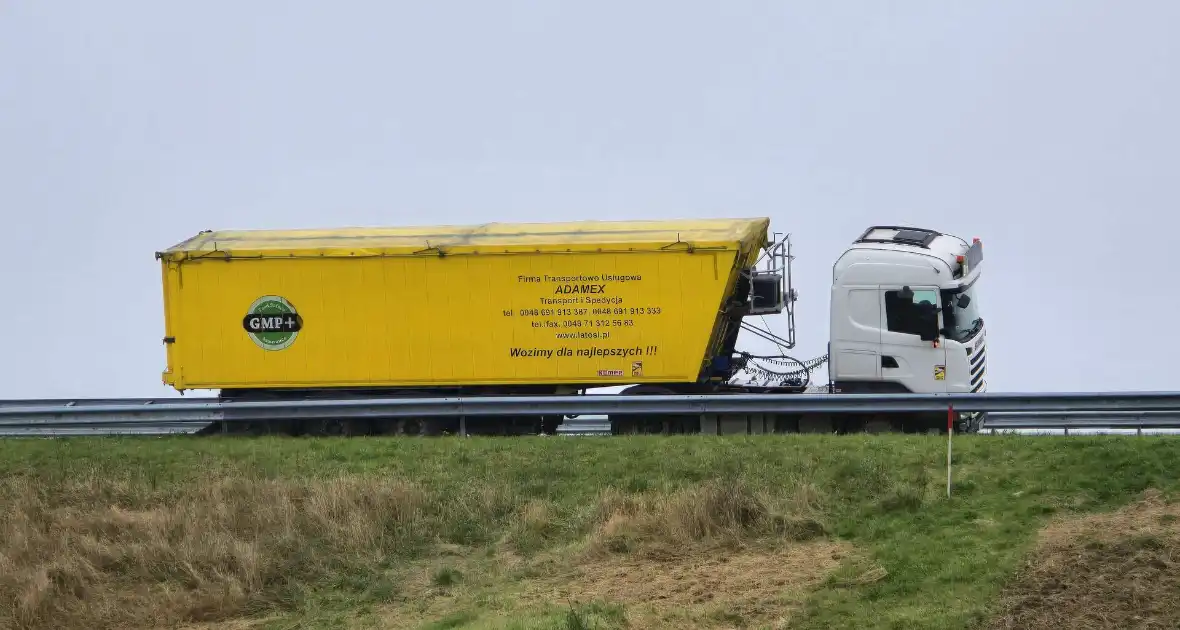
(496, 308)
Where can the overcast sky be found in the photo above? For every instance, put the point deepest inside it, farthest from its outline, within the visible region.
(1048, 129)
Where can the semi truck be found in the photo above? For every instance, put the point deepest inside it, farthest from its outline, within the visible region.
(562, 308)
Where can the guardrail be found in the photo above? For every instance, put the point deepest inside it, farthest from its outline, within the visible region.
(1138, 410)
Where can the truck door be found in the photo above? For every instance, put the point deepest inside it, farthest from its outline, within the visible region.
(918, 364)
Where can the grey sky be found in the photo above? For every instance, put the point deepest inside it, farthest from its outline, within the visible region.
(1047, 128)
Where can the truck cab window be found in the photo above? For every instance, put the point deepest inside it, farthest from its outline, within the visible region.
(904, 317)
(963, 321)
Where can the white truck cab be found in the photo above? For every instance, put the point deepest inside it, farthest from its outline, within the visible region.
(905, 315)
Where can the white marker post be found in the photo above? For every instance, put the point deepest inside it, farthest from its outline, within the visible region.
(950, 430)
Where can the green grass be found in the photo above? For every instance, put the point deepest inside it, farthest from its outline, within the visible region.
(342, 533)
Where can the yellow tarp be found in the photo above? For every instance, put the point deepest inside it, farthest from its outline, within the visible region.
(747, 235)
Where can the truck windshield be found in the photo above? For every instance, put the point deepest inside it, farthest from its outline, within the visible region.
(962, 322)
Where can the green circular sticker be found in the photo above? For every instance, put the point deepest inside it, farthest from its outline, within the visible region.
(272, 323)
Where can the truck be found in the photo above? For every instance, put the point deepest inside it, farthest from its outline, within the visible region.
(563, 308)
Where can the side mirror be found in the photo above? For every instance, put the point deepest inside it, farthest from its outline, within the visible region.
(963, 300)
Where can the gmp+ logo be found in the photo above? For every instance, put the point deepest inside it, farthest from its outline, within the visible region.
(272, 323)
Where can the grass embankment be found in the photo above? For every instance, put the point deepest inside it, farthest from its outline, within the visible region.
(770, 531)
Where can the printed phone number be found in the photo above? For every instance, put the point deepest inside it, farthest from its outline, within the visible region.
(582, 312)
(584, 323)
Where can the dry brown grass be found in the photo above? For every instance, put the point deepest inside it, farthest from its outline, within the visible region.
(700, 588)
(722, 515)
(101, 554)
(714, 555)
(98, 553)
(1114, 570)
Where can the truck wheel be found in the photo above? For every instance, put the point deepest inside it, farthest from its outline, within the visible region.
(879, 424)
(334, 427)
(653, 425)
(410, 426)
(253, 428)
(816, 424)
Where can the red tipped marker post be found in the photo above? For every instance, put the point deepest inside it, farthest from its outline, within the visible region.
(950, 430)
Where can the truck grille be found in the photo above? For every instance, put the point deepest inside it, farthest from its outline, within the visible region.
(978, 360)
